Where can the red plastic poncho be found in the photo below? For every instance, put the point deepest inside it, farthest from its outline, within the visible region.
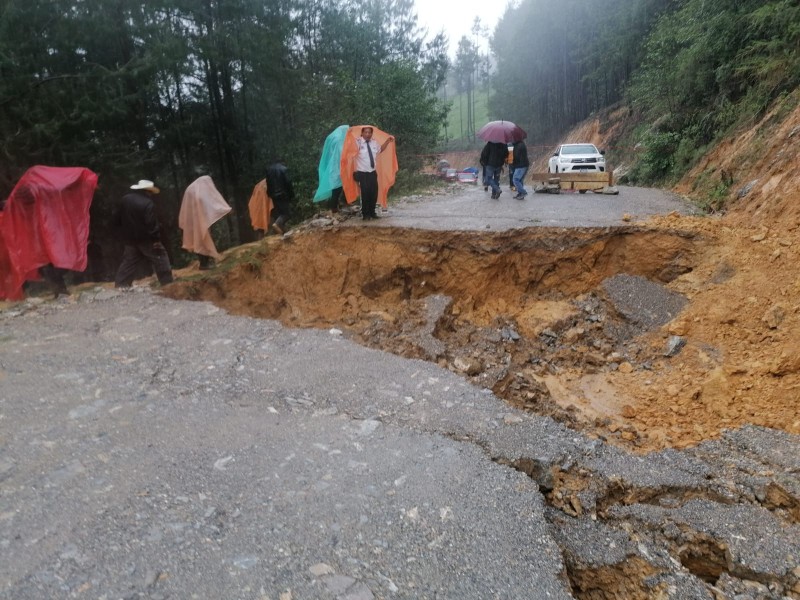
(45, 221)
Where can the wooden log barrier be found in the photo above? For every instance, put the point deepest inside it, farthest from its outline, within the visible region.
(575, 181)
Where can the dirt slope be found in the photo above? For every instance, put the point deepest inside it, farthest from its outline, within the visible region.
(524, 313)
(742, 359)
(758, 169)
(538, 331)
(741, 362)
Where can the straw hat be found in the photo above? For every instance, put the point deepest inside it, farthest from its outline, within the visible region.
(146, 185)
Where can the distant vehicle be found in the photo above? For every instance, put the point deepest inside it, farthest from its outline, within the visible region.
(449, 174)
(468, 176)
(577, 158)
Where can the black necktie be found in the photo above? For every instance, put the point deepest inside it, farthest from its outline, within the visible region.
(371, 159)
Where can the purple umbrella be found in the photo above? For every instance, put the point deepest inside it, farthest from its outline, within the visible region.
(503, 132)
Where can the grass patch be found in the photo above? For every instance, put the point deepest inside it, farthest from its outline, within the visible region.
(250, 257)
(711, 192)
(453, 133)
(716, 198)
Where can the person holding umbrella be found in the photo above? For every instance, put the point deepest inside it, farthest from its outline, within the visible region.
(519, 168)
(493, 157)
(497, 134)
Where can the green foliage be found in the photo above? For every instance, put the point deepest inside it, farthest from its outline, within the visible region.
(559, 62)
(169, 89)
(656, 163)
(252, 258)
(711, 192)
(715, 200)
(711, 66)
(469, 72)
(166, 89)
(456, 128)
(685, 155)
(693, 69)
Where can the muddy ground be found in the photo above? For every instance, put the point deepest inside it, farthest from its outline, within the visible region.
(651, 332)
(547, 318)
(614, 331)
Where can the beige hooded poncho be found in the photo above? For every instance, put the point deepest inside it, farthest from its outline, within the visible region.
(202, 206)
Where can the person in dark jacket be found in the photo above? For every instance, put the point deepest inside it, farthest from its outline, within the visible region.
(138, 226)
(493, 157)
(509, 162)
(280, 190)
(519, 167)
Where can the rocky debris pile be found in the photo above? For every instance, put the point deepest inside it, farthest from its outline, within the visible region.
(223, 404)
(643, 302)
(721, 520)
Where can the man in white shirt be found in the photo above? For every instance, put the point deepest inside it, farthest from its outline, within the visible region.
(365, 175)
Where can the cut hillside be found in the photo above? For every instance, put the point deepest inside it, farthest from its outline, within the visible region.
(741, 362)
(549, 339)
(534, 313)
(755, 172)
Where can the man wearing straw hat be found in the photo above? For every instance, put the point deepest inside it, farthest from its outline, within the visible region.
(139, 229)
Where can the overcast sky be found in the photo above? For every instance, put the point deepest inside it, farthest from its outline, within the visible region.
(456, 17)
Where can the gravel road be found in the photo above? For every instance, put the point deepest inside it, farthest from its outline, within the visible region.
(468, 207)
(164, 449)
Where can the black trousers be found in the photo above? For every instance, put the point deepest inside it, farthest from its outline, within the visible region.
(55, 278)
(336, 194)
(281, 210)
(136, 253)
(368, 180)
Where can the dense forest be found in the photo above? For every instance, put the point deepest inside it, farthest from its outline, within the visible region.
(689, 70)
(170, 89)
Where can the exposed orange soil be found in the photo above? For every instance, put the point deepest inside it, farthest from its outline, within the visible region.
(740, 272)
(741, 362)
